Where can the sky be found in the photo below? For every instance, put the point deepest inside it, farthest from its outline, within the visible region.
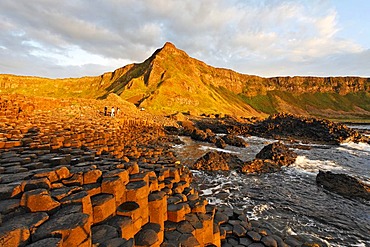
(75, 38)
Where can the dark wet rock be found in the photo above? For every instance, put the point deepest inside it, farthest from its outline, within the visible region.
(146, 237)
(193, 219)
(279, 241)
(101, 233)
(255, 236)
(30, 220)
(232, 241)
(7, 206)
(185, 227)
(74, 228)
(172, 236)
(114, 242)
(245, 241)
(129, 243)
(238, 230)
(269, 241)
(213, 161)
(292, 241)
(278, 153)
(47, 242)
(227, 228)
(270, 159)
(256, 245)
(311, 245)
(234, 140)
(221, 218)
(288, 126)
(199, 135)
(188, 240)
(220, 143)
(343, 185)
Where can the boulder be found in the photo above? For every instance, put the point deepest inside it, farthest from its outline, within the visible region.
(278, 153)
(199, 135)
(270, 159)
(220, 143)
(234, 140)
(343, 185)
(213, 161)
(259, 166)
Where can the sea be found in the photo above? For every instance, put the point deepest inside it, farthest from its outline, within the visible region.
(289, 202)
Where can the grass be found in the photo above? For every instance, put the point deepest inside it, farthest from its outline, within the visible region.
(269, 103)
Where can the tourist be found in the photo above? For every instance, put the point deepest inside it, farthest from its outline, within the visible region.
(112, 112)
(118, 111)
(105, 110)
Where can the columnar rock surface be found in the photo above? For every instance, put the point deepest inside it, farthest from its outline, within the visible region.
(101, 181)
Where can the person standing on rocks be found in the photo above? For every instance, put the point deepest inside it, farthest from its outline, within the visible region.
(105, 110)
(118, 111)
(112, 112)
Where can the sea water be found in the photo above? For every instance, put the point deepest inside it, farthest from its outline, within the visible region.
(290, 202)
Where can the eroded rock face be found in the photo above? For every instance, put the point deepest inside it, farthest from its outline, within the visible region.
(343, 185)
(278, 153)
(260, 166)
(213, 161)
(234, 140)
(288, 126)
(270, 159)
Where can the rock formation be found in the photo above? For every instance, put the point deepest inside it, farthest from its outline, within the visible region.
(214, 161)
(270, 159)
(306, 129)
(343, 185)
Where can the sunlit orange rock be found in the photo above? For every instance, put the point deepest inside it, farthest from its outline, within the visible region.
(38, 200)
(104, 205)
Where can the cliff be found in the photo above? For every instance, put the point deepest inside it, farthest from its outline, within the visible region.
(171, 81)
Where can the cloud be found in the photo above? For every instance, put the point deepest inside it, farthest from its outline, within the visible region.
(76, 38)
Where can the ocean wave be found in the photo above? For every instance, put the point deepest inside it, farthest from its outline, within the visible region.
(217, 149)
(305, 165)
(361, 146)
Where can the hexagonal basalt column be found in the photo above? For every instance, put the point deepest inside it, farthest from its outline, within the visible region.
(104, 205)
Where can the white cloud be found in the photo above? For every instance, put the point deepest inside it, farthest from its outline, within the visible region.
(261, 37)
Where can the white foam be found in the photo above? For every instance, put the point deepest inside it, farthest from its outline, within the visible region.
(305, 165)
(214, 201)
(257, 211)
(255, 139)
(217, 149)
(361, 146)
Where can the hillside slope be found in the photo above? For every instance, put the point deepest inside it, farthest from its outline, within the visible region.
(171, 81)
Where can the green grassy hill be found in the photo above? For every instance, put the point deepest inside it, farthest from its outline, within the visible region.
(170, 81)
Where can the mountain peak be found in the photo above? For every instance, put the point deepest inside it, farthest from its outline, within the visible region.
(170, 48)
(169, 45)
